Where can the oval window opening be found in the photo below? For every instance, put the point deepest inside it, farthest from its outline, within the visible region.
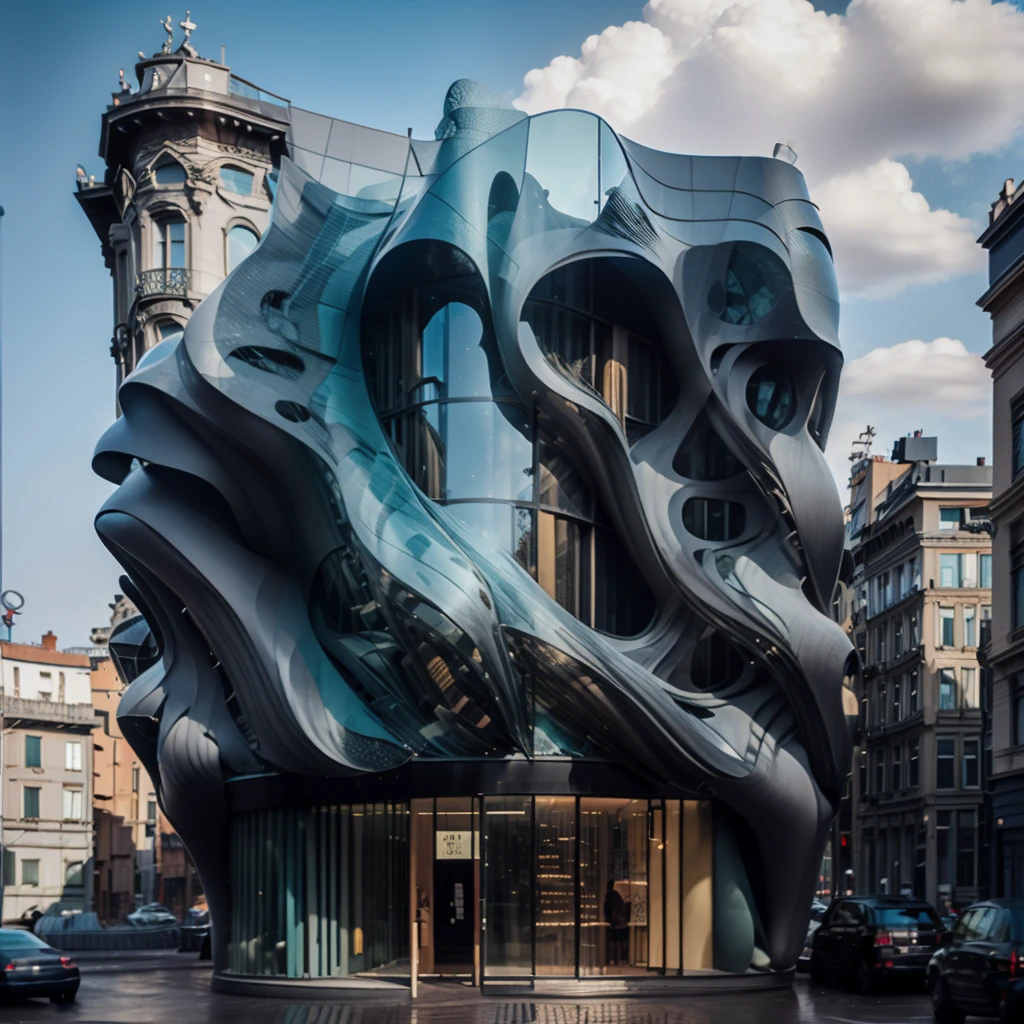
(771, 396)
(714, 519)
(716, 663)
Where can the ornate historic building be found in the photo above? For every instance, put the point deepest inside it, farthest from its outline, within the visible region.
(1004, 301)
(482, 536)
(922, 600)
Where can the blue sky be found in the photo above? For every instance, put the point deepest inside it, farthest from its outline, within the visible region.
(386, 64)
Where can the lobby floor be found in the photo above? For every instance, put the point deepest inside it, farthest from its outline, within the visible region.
(172, 988)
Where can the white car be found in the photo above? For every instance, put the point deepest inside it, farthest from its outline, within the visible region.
(151, 915)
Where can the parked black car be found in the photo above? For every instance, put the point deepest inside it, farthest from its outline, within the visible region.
(29, 967)
(1011, 1006)
(983, 952)
(870, 938)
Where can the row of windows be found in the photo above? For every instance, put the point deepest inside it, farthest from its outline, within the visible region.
(890, 701)
(892, 586)
(898, 767)
(897, 854)
(959, 569)
(892, 640)
(73, 871)
(234, 179)
(45, 691)
(34, 753)
(169, 244)
(71, 804)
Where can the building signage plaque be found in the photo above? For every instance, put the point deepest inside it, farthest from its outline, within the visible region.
(454, 845)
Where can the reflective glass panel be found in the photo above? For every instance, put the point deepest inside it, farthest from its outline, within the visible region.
(234, 179)
(171, 173)
(555, 934)
(562, 158)
(613, 886)
(490, 520)
(771, 396)
(561, 485)
(508, 857)
(241, 242)
(490, 450)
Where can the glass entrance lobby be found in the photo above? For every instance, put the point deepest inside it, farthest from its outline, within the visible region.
(496, 888)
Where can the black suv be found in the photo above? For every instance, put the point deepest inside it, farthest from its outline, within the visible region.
(984, 951)
(870, 938)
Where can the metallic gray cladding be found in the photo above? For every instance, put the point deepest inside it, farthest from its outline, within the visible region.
(319, 615)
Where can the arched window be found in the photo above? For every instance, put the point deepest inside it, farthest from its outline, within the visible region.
(169, 242)
(170, 173)
(241, 242)
(237, 180)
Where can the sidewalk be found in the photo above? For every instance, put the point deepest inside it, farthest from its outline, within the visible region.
(121, 960)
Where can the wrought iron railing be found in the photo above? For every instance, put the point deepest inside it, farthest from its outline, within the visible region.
(163, 281)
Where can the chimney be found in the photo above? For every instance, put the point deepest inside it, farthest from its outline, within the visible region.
(981, 460)
(49, 641)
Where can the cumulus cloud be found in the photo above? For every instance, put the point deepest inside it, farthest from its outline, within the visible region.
(936, 386)
(921, 245)
(850, 93)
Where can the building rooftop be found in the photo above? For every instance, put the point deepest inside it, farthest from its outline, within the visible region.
(45, 652)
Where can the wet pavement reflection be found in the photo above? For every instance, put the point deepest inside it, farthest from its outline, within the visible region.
(158, 994)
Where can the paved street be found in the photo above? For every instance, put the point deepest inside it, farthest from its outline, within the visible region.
(169, 991)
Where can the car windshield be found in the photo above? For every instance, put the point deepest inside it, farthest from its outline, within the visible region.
(906, 917)
(20, 940)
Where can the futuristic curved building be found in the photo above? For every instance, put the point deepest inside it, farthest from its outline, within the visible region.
(484, 542)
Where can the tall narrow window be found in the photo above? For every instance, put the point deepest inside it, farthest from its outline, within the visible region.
(971, 777)
(879, 758)
(943, 828)
(135, 780)
(72, 804)
(60, 688)
(912, 694)
(969, 688)
(945, 763)
(241, 242)
(17, 681)
(30, 872)
(914, 762)
(30, 802)
(947, 689)
(72, 755)
(897, 637)
(169, 238)
(33, 752)
(897, 696)
(970, 627)
(896, 773)
(1017, 441)
(951, 570)
(946, 623)
(985, 571)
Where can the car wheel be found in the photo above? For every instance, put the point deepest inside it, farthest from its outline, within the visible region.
(867, 978)
(942, 1004)
(816, 970)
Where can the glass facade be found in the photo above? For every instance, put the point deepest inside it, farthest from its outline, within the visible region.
(501, 887)
(499, 466)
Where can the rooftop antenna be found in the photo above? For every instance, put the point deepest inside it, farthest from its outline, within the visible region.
(862, 446)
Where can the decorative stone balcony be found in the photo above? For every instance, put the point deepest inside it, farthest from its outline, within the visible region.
(49, 711)
(163, 281)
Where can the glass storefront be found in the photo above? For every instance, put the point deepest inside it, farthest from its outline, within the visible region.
(492, 887)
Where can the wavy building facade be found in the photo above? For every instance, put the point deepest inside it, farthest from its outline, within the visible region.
(484, 543)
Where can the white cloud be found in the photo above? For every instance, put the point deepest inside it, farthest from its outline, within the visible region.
(936, 386)
(921, 245)
(850, 93)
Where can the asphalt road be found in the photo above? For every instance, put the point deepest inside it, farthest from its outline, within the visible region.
(172, 992)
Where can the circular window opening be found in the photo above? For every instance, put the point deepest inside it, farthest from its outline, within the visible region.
(714, 519)
(771, 396)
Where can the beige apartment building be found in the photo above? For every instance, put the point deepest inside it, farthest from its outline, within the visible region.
(126, 867)
(47, 778)
(1004, 301)
(919, 598)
